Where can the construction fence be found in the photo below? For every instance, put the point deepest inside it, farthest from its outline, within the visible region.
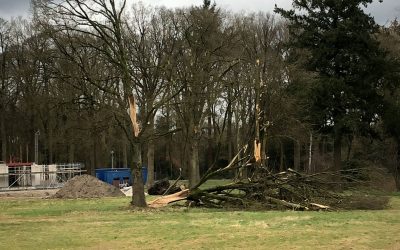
(33, 176)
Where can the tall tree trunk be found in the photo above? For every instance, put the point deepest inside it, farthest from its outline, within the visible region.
(92, 167)
(310, 152)
(27, 152)
(349, 147)
(281, 157)
(257, 144)
(337, 151)
(194, 171)
(125, 153)
(264, 152)
(71, 153)
(150, 154)
(138, 199)
(296, 156)
(20, 153)
(397, 166)
(3, 139)
(239, 140)
(210, 147)
(168, 146)
(50, 145)
(229, 126)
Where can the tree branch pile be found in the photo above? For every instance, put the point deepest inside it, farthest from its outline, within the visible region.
(264, 190)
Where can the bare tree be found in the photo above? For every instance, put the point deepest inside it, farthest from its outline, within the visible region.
(104, 21)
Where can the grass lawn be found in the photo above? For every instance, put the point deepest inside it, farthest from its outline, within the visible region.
(109, 223)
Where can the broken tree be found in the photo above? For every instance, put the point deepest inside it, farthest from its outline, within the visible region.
(262, 190)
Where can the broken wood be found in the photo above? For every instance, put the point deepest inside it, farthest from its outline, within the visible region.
(319, 206)
(165, 200)
(257, 151)
(286, 204)
(289, 189)
(174, 185)
(132, 115)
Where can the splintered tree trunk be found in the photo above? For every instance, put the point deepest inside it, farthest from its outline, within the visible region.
(3, 139)
(138, 197)
(337, 152)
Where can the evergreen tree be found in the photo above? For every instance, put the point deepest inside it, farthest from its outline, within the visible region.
(337, 39)
(390, 38)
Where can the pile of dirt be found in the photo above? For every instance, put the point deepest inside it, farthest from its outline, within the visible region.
(86, 186)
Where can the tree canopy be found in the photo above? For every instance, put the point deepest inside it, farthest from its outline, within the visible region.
(337, 39)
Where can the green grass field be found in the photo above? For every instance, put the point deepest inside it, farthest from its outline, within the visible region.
(109, 223)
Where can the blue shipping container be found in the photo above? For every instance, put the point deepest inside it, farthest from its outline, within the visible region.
(122, 174)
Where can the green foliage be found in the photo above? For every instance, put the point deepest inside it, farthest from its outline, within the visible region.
(336, 40)
(390, 38)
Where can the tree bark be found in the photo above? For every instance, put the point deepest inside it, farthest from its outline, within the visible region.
(125, 153)
(337, 151)
(210, 147)
(93, 164)
(50, 145)
(296, 156)
(310, 153)
(3, 139)
(150, 155)
(229, 126)
(397, 167)
(138, 197)
(194, 173)
(71, 153)
(349, 147)
(281, 157)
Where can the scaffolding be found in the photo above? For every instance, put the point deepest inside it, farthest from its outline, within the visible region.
(32, 176)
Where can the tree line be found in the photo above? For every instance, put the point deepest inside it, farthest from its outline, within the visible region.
(314, 90)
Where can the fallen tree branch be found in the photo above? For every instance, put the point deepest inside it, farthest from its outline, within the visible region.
(174, 184)
(165, 200)
(230, 166)
(286, 204)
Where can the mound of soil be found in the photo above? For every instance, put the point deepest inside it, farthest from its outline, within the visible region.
(86, 186)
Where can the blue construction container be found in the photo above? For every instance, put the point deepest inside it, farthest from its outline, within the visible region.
(116, 176)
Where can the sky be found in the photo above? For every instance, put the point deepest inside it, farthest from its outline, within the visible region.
(383, 12)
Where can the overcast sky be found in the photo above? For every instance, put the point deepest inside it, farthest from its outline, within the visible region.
(383, 12)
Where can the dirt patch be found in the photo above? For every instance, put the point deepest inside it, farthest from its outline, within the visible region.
(86, 186)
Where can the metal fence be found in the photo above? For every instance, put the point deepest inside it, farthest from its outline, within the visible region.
(37, 176)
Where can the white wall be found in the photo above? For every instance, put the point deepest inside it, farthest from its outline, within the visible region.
(36, 174)
(3, 178)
